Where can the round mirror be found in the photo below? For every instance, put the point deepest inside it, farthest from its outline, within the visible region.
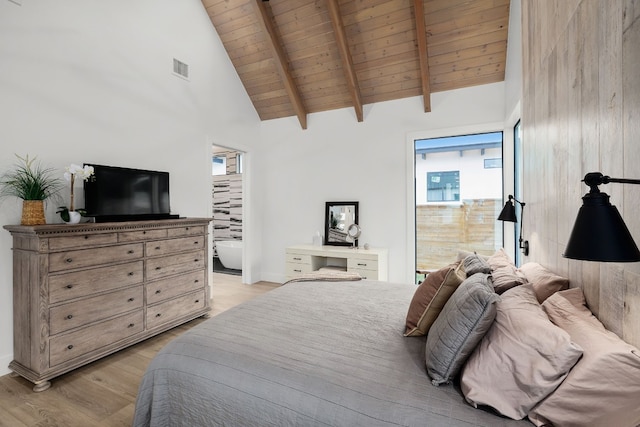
(354, 231)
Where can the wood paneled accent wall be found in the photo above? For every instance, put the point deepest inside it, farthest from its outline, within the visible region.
(581, 113)
(227, 201)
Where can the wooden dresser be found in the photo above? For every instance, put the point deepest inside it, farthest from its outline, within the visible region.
(369, 263)
(81, 292)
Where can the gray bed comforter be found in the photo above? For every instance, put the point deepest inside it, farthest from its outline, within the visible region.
(304, 354)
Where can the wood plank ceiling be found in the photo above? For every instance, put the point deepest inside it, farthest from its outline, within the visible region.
(297, 57)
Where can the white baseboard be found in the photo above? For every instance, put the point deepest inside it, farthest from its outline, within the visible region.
(4, 364)
(272, 277)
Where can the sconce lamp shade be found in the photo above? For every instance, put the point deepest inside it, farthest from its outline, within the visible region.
(508, 212)
(600, 234)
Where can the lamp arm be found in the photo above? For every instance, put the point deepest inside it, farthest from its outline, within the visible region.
(593, 179)
(516, 200)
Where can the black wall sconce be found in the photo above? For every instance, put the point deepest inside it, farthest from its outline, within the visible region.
(508, 213)
(599, 233)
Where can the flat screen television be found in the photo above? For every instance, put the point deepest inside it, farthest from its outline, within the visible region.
(124, 194)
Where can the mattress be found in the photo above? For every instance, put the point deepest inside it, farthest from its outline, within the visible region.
(305, 354)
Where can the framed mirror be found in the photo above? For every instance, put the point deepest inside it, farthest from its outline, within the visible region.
(338, 217)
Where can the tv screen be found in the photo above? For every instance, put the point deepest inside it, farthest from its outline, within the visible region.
(123, 194)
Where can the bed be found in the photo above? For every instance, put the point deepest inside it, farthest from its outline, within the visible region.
(310, 353)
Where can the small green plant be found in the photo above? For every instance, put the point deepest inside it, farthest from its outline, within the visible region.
(29, 180)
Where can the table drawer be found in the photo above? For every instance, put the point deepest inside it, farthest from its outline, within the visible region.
(361, 264)
(163, 247)
(65, 347)
(161, 290)
(74, 242)
(294, 269)
(82, 312)
(174, 309)
(366, 274)
(134, 236)
(66, 286)
(186, 231)
(94, 256)
(298, 258)
(174, 264)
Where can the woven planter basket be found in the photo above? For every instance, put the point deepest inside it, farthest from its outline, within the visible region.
(32, 212)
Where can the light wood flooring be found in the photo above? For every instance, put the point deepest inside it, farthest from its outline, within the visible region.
(103, 393)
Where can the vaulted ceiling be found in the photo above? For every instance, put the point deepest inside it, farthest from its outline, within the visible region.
(296, 57)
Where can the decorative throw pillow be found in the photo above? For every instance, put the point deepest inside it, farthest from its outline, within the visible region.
(430, 297)
(464, 320)
(603, 389)
(462, 254)
(475, 264)
(505, 275)
(545, 283)
(522, 358)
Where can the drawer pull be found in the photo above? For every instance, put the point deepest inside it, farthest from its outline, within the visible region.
(131, 273)
(130, 251)
(86, 237)
(69, 317)
(297, 259)
(157, 248)
(69, 286)
(69, 260)
(196, 260)
(70, 346)
(158, 291)
(159, 314)
(130, 299)
(197, 300)
(158, 268)
(131, 325)
(144, 232)
(298, 271)
(362, 264)
(186, 228)
(196, 242)
(196, 281)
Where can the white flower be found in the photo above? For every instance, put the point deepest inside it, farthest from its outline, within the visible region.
(78, 171)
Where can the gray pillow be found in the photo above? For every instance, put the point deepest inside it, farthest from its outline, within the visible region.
(462, 323)
(475, 264)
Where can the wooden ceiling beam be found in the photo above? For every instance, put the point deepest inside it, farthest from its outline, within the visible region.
(281, 61)
(345, 55)
(421, 38)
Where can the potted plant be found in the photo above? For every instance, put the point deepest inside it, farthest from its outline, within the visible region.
(32, 183)
(71, 215)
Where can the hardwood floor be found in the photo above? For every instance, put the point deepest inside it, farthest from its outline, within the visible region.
(103, 393)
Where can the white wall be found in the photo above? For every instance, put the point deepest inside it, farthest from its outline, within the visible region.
(92, 81)
(337, 158)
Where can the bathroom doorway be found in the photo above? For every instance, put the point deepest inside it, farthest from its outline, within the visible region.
(227, 166)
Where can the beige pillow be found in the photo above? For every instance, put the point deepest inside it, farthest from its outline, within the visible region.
(545, 283)
(430, 297)
(505, 275)
(522, 358)
(603, 389)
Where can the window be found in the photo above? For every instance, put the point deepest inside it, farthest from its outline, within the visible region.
(219, 166)
(443, 186)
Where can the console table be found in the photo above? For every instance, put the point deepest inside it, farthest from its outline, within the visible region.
(369, 263)
(81, 292)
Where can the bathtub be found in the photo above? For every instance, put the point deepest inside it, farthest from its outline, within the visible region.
(230, 253)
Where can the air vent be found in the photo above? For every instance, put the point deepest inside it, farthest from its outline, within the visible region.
(180, 69)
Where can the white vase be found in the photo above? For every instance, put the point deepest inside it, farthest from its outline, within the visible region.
(74, 217)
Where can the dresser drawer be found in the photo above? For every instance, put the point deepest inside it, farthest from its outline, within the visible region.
(163, 289)
(82, 312)
(74, 242)
(367, 274)
(164, 247)
(135, 236)
(298, 258)
(168, 265)
(186, 231)
(66, 286)
(95, 256)
(174, 309)
(65, 347)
